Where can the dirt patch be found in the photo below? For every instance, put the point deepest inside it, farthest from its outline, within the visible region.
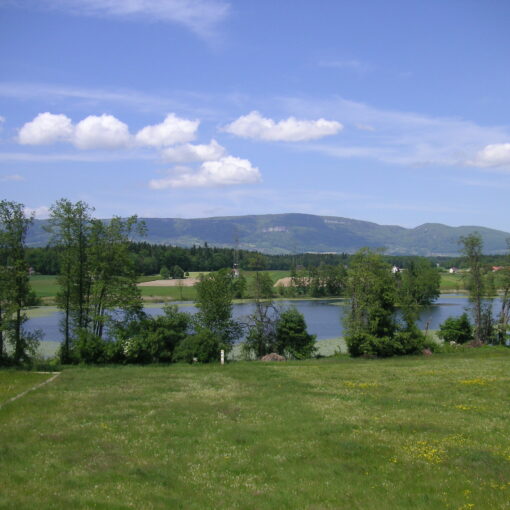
(187, 282)
(287, 281)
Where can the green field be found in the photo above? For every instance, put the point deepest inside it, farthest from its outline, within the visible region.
(408, 433)
(46, 286)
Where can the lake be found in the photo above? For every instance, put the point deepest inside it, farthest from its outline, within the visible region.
(323, 317)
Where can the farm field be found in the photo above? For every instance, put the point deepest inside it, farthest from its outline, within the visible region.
(409, 433)
(45, 286)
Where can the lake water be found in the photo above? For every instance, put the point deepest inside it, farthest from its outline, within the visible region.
(323, 317)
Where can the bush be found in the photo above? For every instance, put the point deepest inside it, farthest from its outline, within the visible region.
(150, 339)
(458, 330)
(89, 348)
(292, 338)
(402, 342)
(204, 346)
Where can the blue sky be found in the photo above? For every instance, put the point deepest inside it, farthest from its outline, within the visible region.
(395, 112)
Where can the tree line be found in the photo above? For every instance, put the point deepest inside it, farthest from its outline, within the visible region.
(149, 259)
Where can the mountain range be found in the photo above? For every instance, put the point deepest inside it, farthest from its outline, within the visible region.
(300, 233)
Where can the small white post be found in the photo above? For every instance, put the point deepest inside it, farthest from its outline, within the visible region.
(222, 357)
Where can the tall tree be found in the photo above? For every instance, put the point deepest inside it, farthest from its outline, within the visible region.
(69, 227)
(112, 271)
(214, 303)
(472, 246)
(371, 288)
(14, 278)
(503, 324)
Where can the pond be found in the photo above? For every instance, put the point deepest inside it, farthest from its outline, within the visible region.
(323, 317)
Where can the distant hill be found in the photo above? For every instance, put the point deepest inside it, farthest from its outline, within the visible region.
(299, 233)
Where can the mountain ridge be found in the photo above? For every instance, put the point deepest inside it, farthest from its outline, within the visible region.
(299, 232)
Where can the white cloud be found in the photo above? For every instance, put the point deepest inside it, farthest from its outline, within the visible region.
(11, 178)
(46, 128)
(40, 213)
(228, 171)
(190, 153)
(404, 138)
(200, 16)
(255, 126)
(101, 132)
(497, 154)
(171, 131)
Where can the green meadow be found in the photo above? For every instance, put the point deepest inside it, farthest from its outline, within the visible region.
(408, 433)
(45, 286)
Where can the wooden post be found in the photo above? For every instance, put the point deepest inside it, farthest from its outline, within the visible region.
(222, 357)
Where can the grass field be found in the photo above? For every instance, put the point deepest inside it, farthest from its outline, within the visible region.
(46, 286)
(409, 433)
(13, 383)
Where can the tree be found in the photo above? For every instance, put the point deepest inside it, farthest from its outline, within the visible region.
(503, 322)
(69, 227)
(292, 337)
(114, 288)
(472, 246)
(262, 324)
(164, 273)
(372, 292)
(456, 329)
(214, 303)
(15, 292)
(177, 272)
(261, 286)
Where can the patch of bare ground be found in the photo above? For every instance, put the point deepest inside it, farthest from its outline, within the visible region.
(187, 282)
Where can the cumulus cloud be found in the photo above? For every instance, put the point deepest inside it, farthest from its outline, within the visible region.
(200, 16)
(255, 126)
(46, 128)
(190, 153)
(171, 131)
(41, 212)
(497, 154)
(101, 132)
(227, 171)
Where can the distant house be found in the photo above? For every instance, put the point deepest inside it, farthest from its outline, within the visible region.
(395, 269)
(453, 270)
(497, 268)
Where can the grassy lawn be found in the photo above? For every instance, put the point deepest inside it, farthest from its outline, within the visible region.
(411, 433)
(13, 382)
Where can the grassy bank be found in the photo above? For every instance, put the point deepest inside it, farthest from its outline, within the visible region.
(417, 433)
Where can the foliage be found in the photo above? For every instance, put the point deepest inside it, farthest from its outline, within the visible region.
(262, 286)
(214, 303)
(419, 282)
(164, 273)
(372, 292)
(472, 249)
(292, 337)
(177, 272)
(203, 346)
(15, 292)
(261, 337)
(371, 328)
(456, 329)
(89, 348)
(147, 339)
(97, 276)
(401, 343)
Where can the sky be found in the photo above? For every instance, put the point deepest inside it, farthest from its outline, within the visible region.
(395, 112)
